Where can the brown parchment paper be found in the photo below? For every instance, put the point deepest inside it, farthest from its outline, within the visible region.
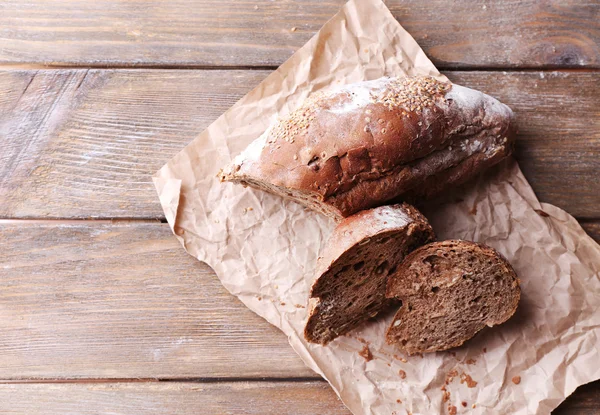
(264, 249)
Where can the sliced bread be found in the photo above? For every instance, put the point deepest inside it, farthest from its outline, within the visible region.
(450, 290)
(353, 269)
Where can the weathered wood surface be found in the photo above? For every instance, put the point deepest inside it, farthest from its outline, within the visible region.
(558, 146)
(469, 33)
(593, 229)
(81, 144)
(123, 300)
(182, 398)
(81, 299)
(189, 398)
(585, 401)
(95, 303)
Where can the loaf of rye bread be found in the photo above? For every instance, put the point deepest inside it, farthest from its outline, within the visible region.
(355, 263)
(450, 290)
(364, 144)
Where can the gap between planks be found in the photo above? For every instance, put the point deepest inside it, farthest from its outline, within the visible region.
(266, 379)
(184, 67)
(71, 221)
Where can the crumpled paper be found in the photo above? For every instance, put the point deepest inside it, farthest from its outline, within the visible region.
(264, 249)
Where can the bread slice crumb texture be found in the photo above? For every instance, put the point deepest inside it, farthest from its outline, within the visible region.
(364, 250)
(449, 291)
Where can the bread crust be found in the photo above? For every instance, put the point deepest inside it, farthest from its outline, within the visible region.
(361, 145)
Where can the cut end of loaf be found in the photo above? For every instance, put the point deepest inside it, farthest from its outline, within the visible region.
(352, 289)
(450, 291)
(313, 201)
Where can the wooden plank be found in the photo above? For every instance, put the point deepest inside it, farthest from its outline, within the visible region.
(123, 300)
(558, 146)
(81, 138)
(12, 86)
(593, 229)
(469, 33)
(145, 398)
(307, 398)
(585, 401)
(85, 143)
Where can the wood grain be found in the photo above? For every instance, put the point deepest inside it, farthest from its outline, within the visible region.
(558, 146)
(238, 398)
(81, 138)
(469, 33)
(123, 300)
(81, 144)
(585, 401)
(593, 229)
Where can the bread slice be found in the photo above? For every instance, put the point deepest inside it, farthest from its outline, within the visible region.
(450, 290)
(353, 269)
(364, 144)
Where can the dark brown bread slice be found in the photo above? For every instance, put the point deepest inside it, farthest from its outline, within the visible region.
(352, 272)
(364, 144)
(450, 290)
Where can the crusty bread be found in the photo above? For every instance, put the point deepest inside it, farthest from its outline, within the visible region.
(352, 272)
(450, 290)
(365, 144)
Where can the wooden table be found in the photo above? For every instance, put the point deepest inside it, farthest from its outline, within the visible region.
(101, 311)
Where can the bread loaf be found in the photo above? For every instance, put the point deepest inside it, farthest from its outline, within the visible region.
(352, 272)
(449, 291)
(364, 144)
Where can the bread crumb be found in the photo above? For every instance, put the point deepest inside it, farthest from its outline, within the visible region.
(363, 341)
(464, 378)
(293, 29)
(398, 400)
(259, 298)
(366, 353)
(452, 409)
(445, 394)
(403, 360)
(471, 361)
(473, 210)
(516, 380)
(450, 376)
(463, 403)
(474, 406)
(282, 303)
(402, 374)
(299, 306)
